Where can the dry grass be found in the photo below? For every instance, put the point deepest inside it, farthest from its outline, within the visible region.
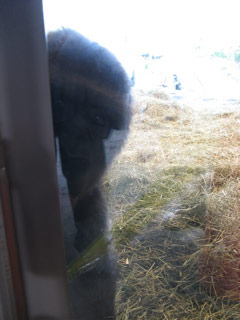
(175, 192)
(220, 257)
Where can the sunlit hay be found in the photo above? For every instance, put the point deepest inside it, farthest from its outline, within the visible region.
(162, 276)
(170, 182)
(158, 93)
(220, 258)
(190, 208)
(160, 108)
(160, 268)
(155, 103)
(223, 175)
(157, 108)
(207, 141)
(163, 136)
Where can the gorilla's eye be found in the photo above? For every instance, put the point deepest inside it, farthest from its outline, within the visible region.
(99, 121)
(101, 126)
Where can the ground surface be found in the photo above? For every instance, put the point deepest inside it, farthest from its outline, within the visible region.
(180, 163)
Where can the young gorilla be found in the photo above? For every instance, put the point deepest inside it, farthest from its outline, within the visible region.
(90, 97)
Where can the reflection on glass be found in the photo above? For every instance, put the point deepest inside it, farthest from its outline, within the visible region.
(173, 191)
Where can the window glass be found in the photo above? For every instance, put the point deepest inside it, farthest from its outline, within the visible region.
(145, 100)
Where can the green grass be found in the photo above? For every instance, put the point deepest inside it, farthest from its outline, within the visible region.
(171, 182)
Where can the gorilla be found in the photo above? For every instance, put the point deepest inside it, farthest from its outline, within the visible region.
(90, 96)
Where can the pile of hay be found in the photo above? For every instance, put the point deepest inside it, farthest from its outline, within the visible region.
(174, 193)
(220, 257)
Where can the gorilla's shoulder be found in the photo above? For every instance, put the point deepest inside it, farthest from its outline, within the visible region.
(72, 50)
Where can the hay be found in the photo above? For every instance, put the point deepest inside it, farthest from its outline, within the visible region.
(170, 183)
(156, 93)
(175, 226)
(220, 257)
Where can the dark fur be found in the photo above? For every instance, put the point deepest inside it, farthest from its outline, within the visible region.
(90, 97)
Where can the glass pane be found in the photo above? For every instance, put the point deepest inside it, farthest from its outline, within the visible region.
(162, 242)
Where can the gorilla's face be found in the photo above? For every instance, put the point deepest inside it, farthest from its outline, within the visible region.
(90, 97)
(83, 158)
(82, 125)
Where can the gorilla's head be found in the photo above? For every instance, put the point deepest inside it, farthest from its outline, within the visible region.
(90, 94)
